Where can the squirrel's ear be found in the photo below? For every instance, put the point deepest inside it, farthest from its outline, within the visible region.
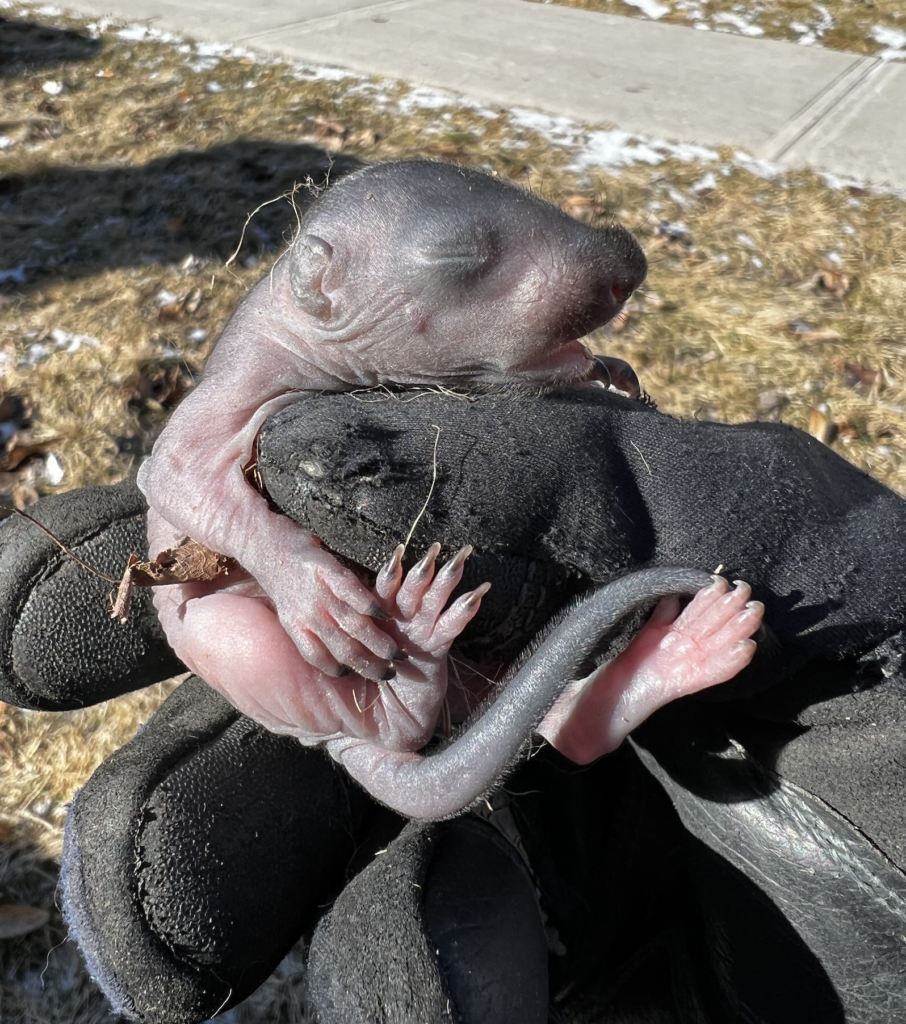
(309, 258)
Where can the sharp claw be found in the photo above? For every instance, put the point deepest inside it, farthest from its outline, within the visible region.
(421, 568)
(377, 612)
(388, 675)
(470, 600)
(457, 561)
(393, 563)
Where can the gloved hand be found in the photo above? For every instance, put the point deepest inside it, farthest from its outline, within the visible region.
(199, 852)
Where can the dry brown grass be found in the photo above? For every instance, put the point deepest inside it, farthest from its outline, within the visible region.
(136, 180)
(836, 25)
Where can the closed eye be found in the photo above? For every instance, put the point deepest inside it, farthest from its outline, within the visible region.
(463, 255)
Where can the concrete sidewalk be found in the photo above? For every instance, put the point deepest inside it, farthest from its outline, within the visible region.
(799, 106)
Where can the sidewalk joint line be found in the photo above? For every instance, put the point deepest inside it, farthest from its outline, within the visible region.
(328, 20)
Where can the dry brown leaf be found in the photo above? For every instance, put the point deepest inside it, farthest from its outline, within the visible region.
(855, 374)
(19, 919)
(327, 126)
(14, 408)
(188, 561)
(452, 151)
(820, 427)
(583, 208)
(181, 308)
(156, 383)
(801, 330)
(20, 446)
(364, 139)
(829, 282)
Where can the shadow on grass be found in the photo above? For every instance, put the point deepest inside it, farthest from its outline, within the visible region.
(26, 48)
(74, 222)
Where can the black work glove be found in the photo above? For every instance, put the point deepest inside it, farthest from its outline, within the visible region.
(199, 852)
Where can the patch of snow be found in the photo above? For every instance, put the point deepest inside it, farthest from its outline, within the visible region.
(5, 141)
(424, 97)
(50, 11)
(97, 28)
(133, 33)
(736, 21)
(835, 182)
(745, 240)
(827, 20)
(555, 129)
(894, 38)
(835, 257)
(197, 335)
(650, 8)
(760, 168)
(322, 73)
(212, 49)
(756, 262)
(705, 183)
(34, 354)
(213, 87)
(720, 257)
(164, 298)
(72, 342)
(52, 88)
(617, 148)
(702, 26)
(53, 471)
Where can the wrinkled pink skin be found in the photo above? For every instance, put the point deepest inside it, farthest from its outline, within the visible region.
(231, 637)
(467, 280)
(409, 273)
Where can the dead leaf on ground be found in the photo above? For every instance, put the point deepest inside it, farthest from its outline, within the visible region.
(363, 139)
(829, 282)
(455, 152)
(182, 308)
(20, 447)
(804, 331)
(19, 919)
(327, 126)
(856, 375)
(583, 208)
(156, 383)
(821, 427)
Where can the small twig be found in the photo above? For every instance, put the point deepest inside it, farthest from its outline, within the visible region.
(60, 545)
(642, 457)
(248, 220)
(424, 507)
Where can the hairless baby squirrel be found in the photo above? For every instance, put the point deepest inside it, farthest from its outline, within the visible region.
(406, 273)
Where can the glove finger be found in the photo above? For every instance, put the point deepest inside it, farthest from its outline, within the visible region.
(200, 852)
(59, 647)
